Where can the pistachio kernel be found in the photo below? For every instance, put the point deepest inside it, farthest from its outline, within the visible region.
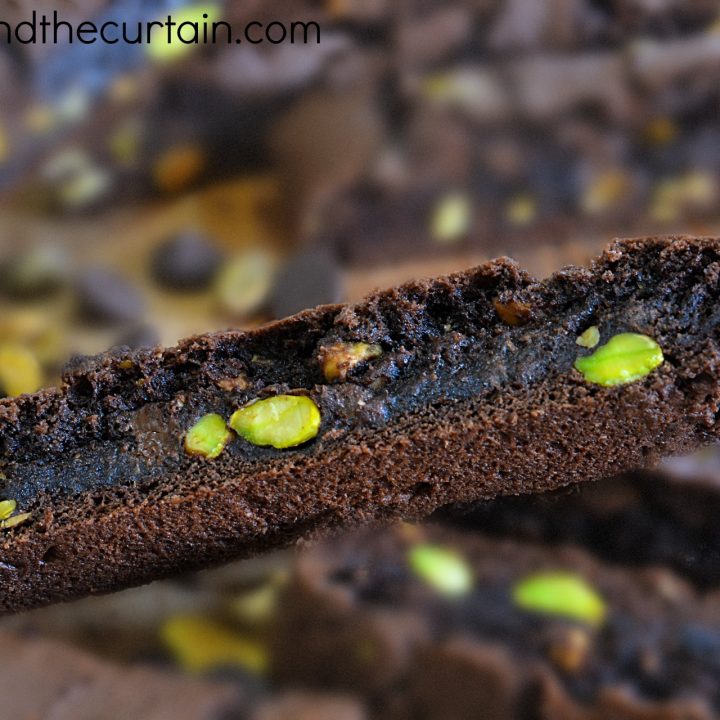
(451, 219)
(521, 210)
(590, 338)
(441, 568)
(282, 421)
(207, 437)
(259, 605)
(7, 508)
(14, 521)
(570, 650)
(339, 359)
(20, 371)
(513, 312)
(607, 191)
(200, 644)
(244, 283)
(189, 17)
(562, 594)
(625, 358)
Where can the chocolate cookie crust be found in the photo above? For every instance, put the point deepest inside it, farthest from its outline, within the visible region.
(474, 395)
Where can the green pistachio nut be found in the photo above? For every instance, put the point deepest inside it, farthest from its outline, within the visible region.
(441, 568)
(244, 283)
(624, 359)
(451, 219)
(207, 437)
(590, 338)
(15, 520)
(199, 644)
(283, 421)
(560, 594)
(20, 371)
(7, 508)
(190, 22)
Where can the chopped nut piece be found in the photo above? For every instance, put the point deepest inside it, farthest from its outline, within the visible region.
(561, 594)
(244, 283)
(521, 210)
(441, 568)
(337, 360)
(513, 313)
(570, 651)
(607, 191)
(208, 437)
(175, 48)
(236, 383)
(259, 605)
(15, 520)
(672, 196)
(178, 168)
(20, 370)
(624, 359)
(283, 421)
(590, 338)
(35, 271)
(200, 644)
(451, 219)
(77, 179)
(7, 508)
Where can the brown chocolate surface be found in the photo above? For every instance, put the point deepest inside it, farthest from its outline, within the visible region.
(460, 406)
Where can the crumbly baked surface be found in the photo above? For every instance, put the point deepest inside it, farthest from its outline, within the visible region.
(460, 406)
(356, 617)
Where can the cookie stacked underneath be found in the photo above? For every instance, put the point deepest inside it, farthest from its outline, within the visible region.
(642, 518)
(431, 623)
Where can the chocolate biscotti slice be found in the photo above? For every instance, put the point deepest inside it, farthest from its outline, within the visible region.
(450, 390)
(429, 624)
(642, 518)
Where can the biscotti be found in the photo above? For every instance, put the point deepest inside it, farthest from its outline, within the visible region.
(648, 518)
(450, 390)
(430, 623)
